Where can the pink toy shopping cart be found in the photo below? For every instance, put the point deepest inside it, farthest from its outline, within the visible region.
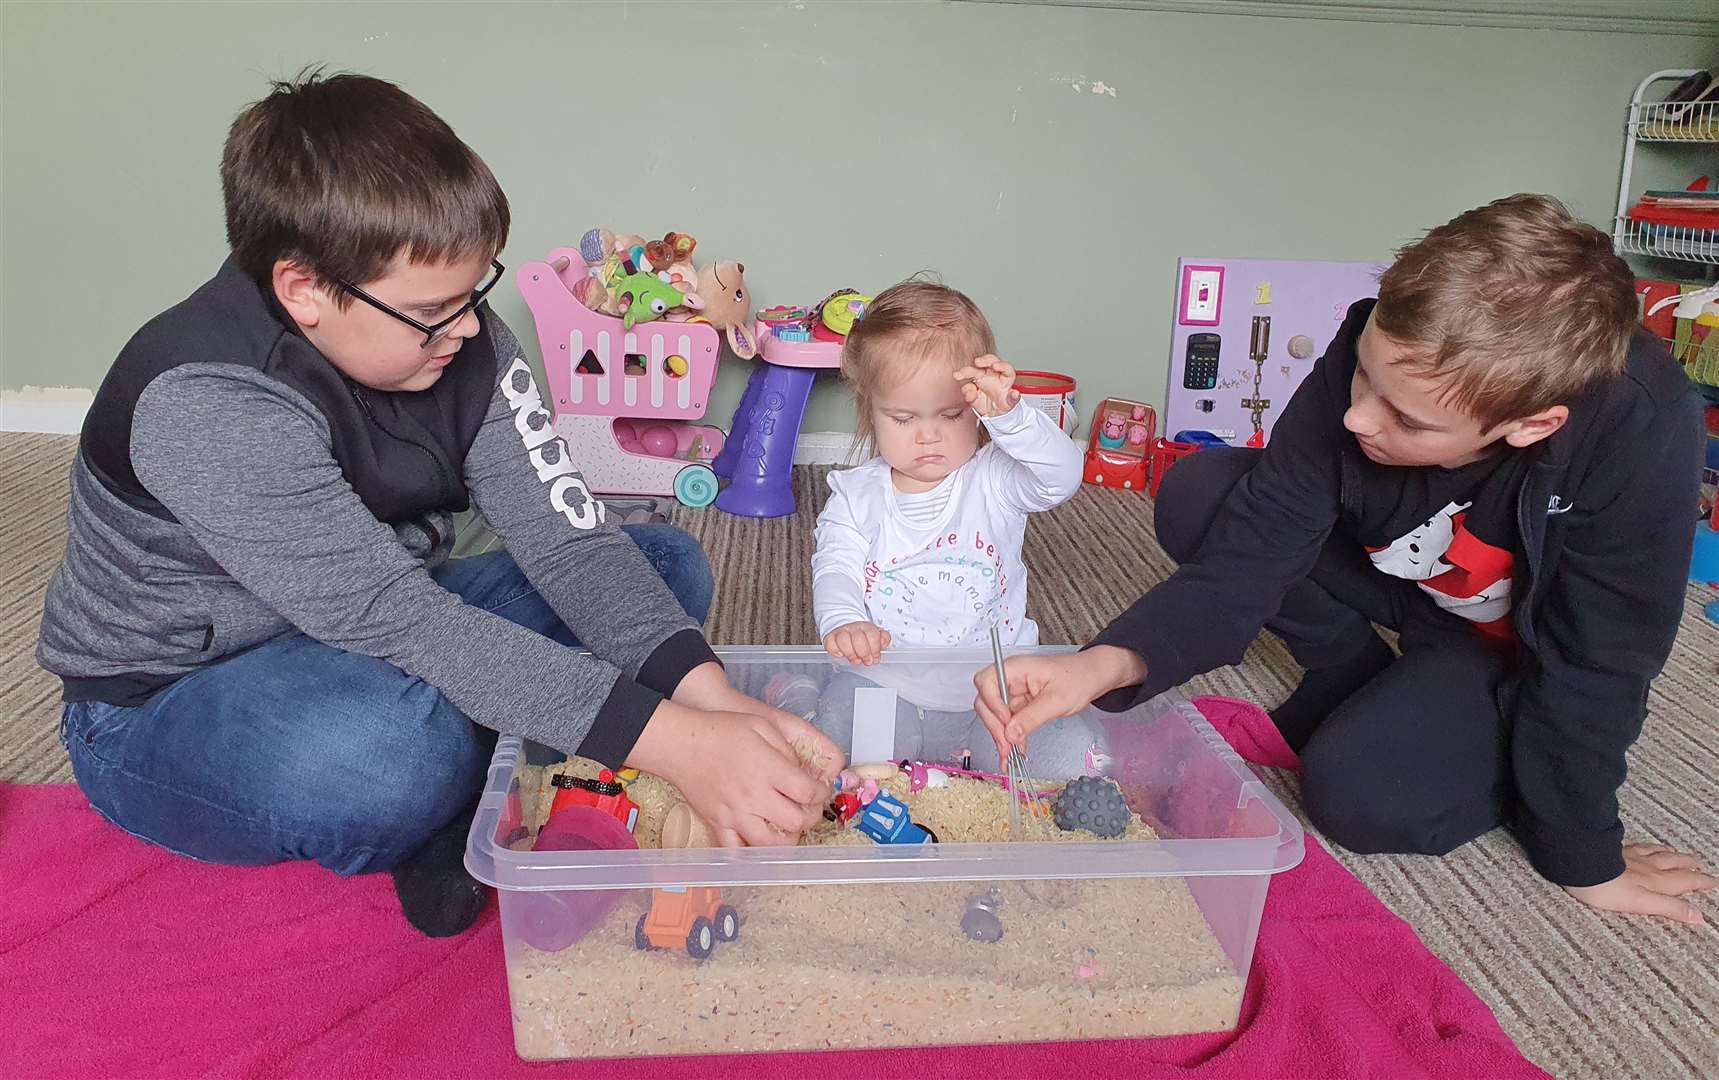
(623, 398)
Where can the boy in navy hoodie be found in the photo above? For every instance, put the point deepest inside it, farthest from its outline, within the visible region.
(1493, 460)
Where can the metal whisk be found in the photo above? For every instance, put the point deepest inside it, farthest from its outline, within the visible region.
(1015, 765)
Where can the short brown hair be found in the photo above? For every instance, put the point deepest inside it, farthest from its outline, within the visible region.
(343, 173)
(1514, 307)
(912, 323)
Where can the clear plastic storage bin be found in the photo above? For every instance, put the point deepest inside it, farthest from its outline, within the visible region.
(863, 945)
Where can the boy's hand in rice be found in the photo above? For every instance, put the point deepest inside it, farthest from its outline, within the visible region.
(744, 773)
(756, 774)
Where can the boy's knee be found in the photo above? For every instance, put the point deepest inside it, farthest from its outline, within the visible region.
(680, 561)
(1369, 809)
(1191, 494)
(439, 773)
(1345, 805)
(417, 766)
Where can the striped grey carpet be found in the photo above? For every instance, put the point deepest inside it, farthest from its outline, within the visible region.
(34, 487)
(1583, 994)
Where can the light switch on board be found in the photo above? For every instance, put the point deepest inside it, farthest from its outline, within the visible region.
(1202, 295)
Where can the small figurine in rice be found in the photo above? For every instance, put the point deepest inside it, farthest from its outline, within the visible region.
(980, 921)
(1093, 804)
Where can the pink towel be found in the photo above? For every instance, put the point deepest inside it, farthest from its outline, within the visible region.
(118, 959)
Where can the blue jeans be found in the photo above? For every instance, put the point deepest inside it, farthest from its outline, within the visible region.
(298, 750)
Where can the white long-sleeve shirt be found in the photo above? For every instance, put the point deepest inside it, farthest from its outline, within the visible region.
(946, 581)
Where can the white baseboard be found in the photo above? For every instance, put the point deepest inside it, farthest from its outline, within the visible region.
(823, 447)
(56, 409)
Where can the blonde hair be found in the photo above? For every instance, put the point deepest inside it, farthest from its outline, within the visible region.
(1513, 307)
(913, 323)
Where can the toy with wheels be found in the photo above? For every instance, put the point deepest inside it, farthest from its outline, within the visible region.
(623, 398)
(1118, 448)
(690, 917)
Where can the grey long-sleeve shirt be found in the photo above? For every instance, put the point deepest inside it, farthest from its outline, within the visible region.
(259, 532)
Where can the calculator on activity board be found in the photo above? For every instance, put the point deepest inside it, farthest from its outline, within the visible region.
(1200, 369)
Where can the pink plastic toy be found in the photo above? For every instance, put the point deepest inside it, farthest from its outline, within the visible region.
(923, 774)
(658, 441)
(553, 921)
(622, 398)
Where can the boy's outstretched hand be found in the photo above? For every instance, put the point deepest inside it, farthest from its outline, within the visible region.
(1654, 879)
(1046, 688)
(989, 385)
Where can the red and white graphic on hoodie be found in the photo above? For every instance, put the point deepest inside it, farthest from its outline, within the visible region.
(1461, 572)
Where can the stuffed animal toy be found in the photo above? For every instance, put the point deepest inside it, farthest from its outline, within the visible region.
(728, 305)
(639, 281)
(646, 296)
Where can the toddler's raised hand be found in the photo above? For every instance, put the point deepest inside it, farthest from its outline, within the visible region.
(989, 385)
(857, 643)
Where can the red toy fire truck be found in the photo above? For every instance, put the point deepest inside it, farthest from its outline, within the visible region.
(606, 793)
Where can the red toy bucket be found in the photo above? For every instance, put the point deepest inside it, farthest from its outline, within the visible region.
(1051, 393)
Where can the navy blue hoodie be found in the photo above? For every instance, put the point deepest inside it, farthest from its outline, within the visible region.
(1605, 514)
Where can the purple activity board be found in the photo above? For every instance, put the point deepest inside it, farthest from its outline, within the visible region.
(1247, 331)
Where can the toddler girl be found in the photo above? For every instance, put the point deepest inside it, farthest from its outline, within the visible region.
(921, 545)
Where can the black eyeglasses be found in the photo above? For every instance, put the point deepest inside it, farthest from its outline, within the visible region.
(431, 333)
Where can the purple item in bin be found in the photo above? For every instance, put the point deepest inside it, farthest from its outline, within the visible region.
(551, 921)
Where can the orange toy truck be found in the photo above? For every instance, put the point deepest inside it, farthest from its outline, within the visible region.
(689, 916)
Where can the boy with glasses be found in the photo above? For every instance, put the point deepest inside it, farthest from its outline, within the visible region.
(266, 651)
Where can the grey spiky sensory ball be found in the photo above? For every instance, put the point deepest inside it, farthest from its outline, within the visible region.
(1092, 804)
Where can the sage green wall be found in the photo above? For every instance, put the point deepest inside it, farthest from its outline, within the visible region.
(1051, 161)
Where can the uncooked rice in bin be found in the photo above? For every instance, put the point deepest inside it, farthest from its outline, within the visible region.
(834, 966)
